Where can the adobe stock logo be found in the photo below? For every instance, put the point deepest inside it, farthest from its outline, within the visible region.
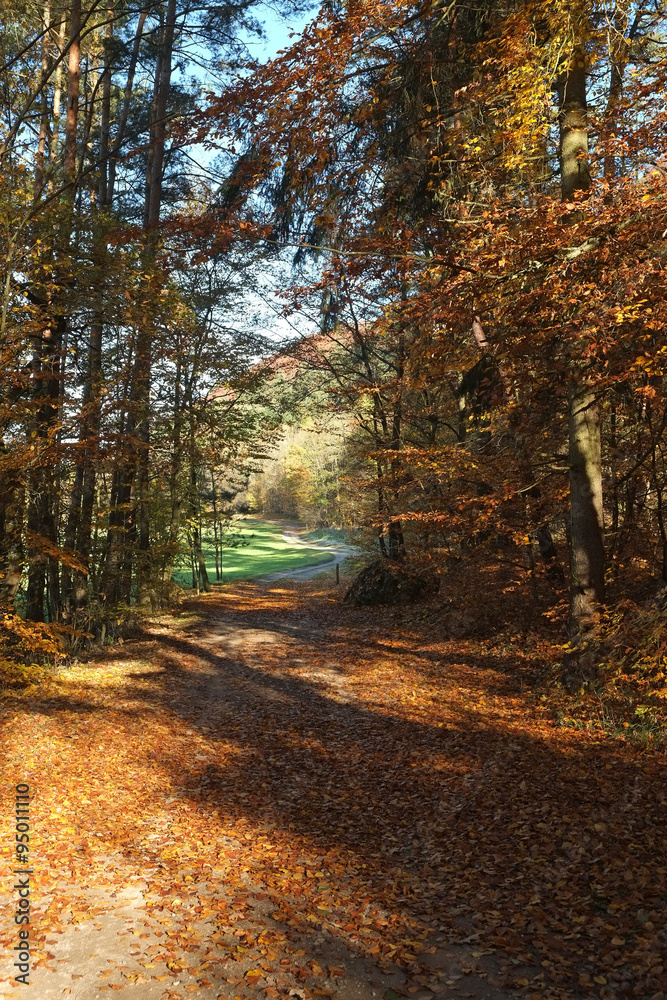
(22, 884)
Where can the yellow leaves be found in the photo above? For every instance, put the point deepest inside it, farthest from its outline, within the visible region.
(22, 674)
(170, 852)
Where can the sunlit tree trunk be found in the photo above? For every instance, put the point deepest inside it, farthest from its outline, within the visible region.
(57, 100)
(573, 119)
(586, 522)
(72, 118)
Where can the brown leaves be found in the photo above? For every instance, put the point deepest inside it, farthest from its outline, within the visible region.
(435, 795)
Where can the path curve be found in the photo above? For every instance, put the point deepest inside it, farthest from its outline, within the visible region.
(339, 550)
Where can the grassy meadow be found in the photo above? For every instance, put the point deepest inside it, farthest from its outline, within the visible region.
(263, 551)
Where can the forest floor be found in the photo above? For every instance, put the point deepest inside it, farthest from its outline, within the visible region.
(268, 794)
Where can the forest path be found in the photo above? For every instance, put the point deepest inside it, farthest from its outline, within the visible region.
(273, 796)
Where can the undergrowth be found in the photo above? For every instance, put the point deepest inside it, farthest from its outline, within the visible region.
(617, 681)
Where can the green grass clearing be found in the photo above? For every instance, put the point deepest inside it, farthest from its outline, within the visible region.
(265, 552)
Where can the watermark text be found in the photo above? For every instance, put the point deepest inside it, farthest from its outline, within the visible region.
(22, 874)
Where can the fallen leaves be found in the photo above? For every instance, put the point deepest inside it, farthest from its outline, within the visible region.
(267, 831)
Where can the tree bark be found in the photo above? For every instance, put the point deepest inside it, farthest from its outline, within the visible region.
(11, 540)
(72, 91)
(586, 517)
(127, 100)
(41, 521)
(57, 97)
(573, 119)
(44, 115)
(586, 520)
(145, 595)
(174, 484)
(80, 527)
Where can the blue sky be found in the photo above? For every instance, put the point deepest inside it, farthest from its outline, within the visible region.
(277, 32)
(262, 311)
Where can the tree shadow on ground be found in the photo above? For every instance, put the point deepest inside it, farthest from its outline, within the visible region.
(549, 845)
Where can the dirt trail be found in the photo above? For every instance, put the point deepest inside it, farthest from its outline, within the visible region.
(252, 802)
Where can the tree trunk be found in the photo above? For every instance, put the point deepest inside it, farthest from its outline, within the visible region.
(174, 485)
(586, 520)
(72, 92)
(205, 583)
(57, 96)
(216, 536)
(93, 388)
(44, 114)
(154, 170)
(11, 547)
(80, 527)
(127, 100)
(41, 521)
(573, 119)
(115, 585)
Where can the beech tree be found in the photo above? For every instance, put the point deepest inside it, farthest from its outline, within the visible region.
(445, 161)
(473, 201)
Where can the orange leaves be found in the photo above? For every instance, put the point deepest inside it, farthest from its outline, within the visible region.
(319, 831)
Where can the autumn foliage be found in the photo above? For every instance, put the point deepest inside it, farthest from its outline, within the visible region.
(467, 213)
(485, 192)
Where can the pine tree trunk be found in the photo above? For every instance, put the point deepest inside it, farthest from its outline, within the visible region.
(44, 115)
(146, 596)
(41, 519)
(72, 118)
(127, 101)
(79, 526)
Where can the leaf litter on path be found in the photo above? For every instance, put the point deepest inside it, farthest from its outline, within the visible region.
(284, 797)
